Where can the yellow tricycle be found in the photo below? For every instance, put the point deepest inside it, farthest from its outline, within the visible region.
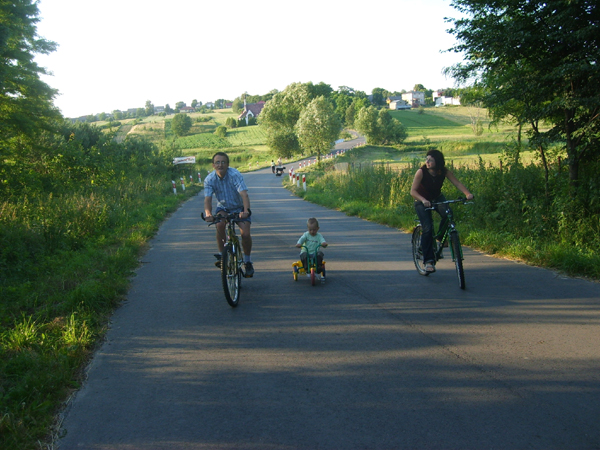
(313, 270)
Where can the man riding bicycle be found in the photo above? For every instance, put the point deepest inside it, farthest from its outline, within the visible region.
(228, 186)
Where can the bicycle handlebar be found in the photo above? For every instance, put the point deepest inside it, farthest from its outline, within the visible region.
(235, 217)
(462, 200)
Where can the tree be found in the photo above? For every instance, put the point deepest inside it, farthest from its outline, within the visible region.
(391, 131)
(379, 96)
(168, 109)
(318, 126)
(539, 61)
(181, 124)
(238, 105)
(365, 123)
(472, 97)
(279, 117)
(356, 105)
(231, 122)
(283, 141)
(149, 109)
(26, 102)
(179, 105)
(194, 103)
(342, 101)
(379, 128)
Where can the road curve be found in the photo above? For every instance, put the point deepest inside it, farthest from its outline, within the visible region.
(377, 358)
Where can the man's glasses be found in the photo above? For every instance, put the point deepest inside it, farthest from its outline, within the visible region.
(220, 163)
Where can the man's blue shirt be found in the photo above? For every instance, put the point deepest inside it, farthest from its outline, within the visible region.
(226, 190)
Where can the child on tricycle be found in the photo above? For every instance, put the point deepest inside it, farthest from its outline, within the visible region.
(311, 257)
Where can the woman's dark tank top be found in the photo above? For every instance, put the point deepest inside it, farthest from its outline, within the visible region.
(430, 187)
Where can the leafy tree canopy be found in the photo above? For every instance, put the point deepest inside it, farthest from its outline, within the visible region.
(181, 124)
(318, 126)
(538, 61)
(25, 100)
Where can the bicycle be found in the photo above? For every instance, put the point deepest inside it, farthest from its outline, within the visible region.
(447, 232)
(311, 259)
(232, 260)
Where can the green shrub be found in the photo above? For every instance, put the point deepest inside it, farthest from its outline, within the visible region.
(221, 131)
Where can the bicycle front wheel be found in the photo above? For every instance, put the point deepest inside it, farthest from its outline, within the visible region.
(458, 258)
(230, 275)
(417, 251)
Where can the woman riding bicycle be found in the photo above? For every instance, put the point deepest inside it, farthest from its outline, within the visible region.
(426, 189)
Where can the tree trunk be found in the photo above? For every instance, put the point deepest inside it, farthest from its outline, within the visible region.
(572, 152)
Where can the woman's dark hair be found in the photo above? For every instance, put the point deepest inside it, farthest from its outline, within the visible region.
(440, 162)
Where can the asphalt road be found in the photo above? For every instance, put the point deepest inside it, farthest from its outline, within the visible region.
(377, 358)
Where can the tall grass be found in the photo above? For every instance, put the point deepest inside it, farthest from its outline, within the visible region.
(75, 213)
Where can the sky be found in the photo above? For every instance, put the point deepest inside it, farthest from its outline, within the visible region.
(118, 54)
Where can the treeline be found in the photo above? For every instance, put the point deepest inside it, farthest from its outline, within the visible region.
(307, 118)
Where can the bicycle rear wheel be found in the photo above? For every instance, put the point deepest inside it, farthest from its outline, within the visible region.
(458, 258)
(417, 251)
(230, 275)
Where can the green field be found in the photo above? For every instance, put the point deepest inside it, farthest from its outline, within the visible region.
(448, 128)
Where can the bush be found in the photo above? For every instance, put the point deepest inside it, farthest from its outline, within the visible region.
(221, 131)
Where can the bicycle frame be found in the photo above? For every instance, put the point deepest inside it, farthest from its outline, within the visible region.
(232, 260)
(446, 232)
(446, 227)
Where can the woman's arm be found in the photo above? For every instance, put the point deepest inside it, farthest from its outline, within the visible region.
(414, 190)
(461, 187)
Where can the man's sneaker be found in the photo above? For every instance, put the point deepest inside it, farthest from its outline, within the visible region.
(249, 272)
(322, 279)
(218, 261)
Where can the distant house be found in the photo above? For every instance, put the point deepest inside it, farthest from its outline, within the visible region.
(210, 105)
(251, 110)
(228, 104)
(399, 104)
(186, 109)
(442, 101)
(159, 109)
(414, 98)
(439, 99)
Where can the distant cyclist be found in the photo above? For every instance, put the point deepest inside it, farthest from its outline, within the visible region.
(229, 188)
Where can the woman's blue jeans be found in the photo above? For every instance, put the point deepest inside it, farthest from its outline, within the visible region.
(427, 227)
